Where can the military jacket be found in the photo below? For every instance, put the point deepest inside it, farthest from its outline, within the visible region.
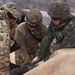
(4, 44)
(26, 41)
(65, 36)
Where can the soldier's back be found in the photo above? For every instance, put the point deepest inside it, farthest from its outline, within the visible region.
(4, 45)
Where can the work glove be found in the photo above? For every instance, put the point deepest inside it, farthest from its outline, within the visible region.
(21, 70)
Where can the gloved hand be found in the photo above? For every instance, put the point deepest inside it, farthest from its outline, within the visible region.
(21, 70)
(16, 71)
(35, 60)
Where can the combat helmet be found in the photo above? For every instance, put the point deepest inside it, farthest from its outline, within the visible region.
(34, 18)
(13, 9)
(59, 9)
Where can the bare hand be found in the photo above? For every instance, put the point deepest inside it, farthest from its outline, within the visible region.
(35, 60)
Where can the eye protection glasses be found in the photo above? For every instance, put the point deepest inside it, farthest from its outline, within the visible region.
(54, 18)
(35, 26)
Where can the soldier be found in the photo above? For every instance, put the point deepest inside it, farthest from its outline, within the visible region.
(4, 44)
(14, 14)
(28, 36)
(62, 27)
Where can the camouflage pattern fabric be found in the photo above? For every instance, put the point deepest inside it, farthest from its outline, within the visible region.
(14, 9)
(24, 35)
(19, 59)
(59, 9)
(4, 45)
(23, 38)
(67, 40)
(16, 12)
(63, 32)
(34, 17)
(12, 30)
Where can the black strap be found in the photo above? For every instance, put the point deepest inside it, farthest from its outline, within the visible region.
(37, 23)
(12, 66)
(39, 39)
(14, 47)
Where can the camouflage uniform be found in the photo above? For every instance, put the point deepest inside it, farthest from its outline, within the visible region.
(28, 40)
(14, 11)
(4, 44)
(64, 32)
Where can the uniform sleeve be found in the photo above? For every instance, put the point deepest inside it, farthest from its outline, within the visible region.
(43, 50)
(19, 38)
(68, 41)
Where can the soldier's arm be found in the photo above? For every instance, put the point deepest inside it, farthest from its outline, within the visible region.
(19, 38)
(69, 40)
(43, 50)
